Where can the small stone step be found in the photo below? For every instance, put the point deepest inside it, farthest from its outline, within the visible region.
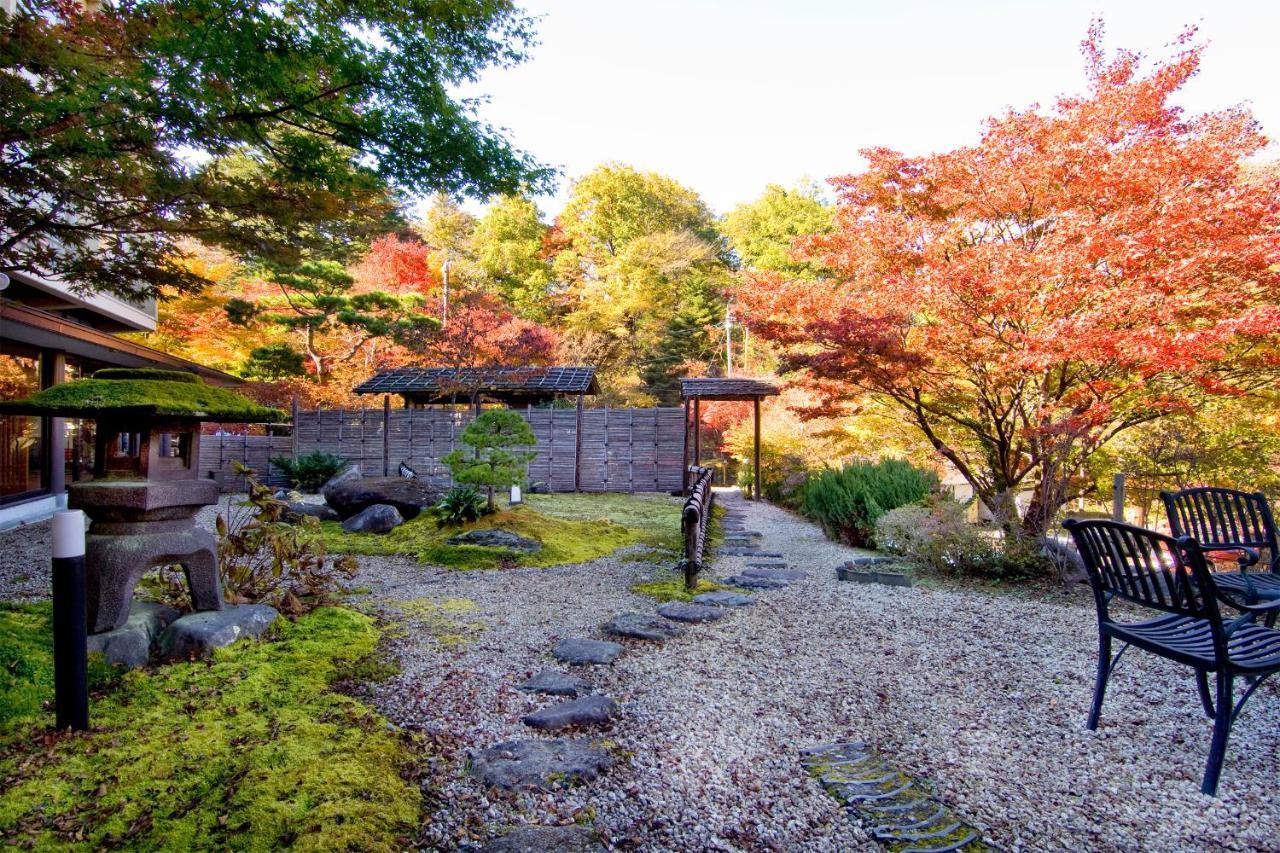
(578, 651)
(540, 765)
(775, 574)
(545, 839)
(746, 552)
(553, 682)
(724, 598)
(752, 582)
(588, 711)
(641, 626)
(682, 612)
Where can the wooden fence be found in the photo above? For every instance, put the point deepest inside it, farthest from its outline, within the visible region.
(616, 450)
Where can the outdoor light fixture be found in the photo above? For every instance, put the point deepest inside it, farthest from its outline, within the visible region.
(515, 494)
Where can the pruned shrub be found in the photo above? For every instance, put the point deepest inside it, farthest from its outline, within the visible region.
(848, 501)
(460, 505)
(939, 537)
(309, 471)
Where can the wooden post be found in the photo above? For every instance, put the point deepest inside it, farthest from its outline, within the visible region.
(684, 456)
(53, 371)
(293, 419)
(386, 435)
(756, 479)
(1117, 497)
(697, 431)
(577, 449)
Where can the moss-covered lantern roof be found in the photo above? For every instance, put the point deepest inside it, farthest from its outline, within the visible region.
(146, 393)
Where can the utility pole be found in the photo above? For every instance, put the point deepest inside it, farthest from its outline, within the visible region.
(728, 341)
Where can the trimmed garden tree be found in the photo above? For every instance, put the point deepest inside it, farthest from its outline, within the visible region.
(493, 459)
(1023, 301)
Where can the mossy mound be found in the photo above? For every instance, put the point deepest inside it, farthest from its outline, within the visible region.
(564, 541)
(26, 662)
(165, 397)
(251, 750)
(153, 373)
(672, 588)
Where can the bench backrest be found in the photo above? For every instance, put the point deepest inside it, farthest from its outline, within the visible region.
(1217, 517)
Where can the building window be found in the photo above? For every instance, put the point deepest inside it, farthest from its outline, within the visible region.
(22, 458)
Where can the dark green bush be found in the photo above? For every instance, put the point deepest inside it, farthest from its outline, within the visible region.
(459, 505)
(309, 471)
(937, 536)
(848, 501)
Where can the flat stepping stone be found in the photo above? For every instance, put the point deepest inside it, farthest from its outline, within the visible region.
(579, 651)
(545, 839)
(767, 564)
(724, 598)
(641, 626)
(753, 582)
(553, 682)
(587, 711)
(776, 574)
(684, 612)
(746, 552)
(540, 765)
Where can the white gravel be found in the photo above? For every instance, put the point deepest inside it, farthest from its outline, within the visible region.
(985, 694)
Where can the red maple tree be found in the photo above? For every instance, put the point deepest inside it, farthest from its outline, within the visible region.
(1022, 301)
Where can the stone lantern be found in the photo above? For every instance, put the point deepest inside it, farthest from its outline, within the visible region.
(146, 490)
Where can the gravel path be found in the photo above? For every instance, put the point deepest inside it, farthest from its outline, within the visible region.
(985, 695)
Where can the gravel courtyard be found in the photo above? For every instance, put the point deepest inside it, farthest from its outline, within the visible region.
(984, 694)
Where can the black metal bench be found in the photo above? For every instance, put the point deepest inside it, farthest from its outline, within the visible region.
(693, 524)
(1171, 576)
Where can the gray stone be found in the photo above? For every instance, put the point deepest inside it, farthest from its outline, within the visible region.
(324, 512)
(578, 651)
(683, 612)
(379, 518)
(848, 573)
(746, 552)
(539, 488)
(129, 645)
(540, 764)
(545, 839)
(115, 562)
(775, 574)
(350, 472)
(592, 710)
(641, 626)
(496, 537)
(724, 598)
(768, 564)
(281, 494)
(752, 582)
(197, 633)
(553, 682)
(350, 495)
(862, 562)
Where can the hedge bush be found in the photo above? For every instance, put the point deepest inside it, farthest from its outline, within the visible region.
(848, 501)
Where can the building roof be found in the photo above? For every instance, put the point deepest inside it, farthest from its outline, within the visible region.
(725, 388)
(442, 384)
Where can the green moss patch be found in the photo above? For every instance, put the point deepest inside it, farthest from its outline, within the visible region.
(91, 398)
(26, 662)
(564, 541)
(672, 588)
(252, 750)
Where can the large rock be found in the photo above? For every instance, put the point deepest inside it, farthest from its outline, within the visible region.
(349, 495)
(724, 598)
(130, 644)
(350, 472)
(379, 518)
(641, 626)
(754, 582)
(588, 711)
(578, 651)
(545, 839)
(496, 537)
(540, 764)
(683, 612)
(297, 509)
(553, 682)
(196, 634)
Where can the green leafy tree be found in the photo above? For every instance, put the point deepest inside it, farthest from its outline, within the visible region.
(508, 245)
(447, 228)
(280, 130)
(764, 232)
(492, 460)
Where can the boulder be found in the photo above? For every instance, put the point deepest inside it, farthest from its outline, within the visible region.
(545, 839)
(349, 472)
(540, 765)
(683, 612)
(539, 488)
(641, 626)
(591, 710)
(724, 598)
(410, 497)
(296, 510)
(129, 645)
(579, 651)
(553, 682)
(496, 537)
(379, 518)
(196, 634)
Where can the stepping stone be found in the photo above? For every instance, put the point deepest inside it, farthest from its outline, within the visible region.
(776, 574)
(768, 564)
(545, 839)
(587, 711)
(553, 682)
(641, 626)
(746, 552)
(752, 582)
(724, 598)
(578, 651)
(682, 612)
(731, 542)
(540, 765)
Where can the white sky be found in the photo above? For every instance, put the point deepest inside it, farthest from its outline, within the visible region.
(727, 97)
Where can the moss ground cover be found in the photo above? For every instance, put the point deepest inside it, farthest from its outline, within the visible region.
(251, 750)
(671, 588)
(26, 662)
(571, 528)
